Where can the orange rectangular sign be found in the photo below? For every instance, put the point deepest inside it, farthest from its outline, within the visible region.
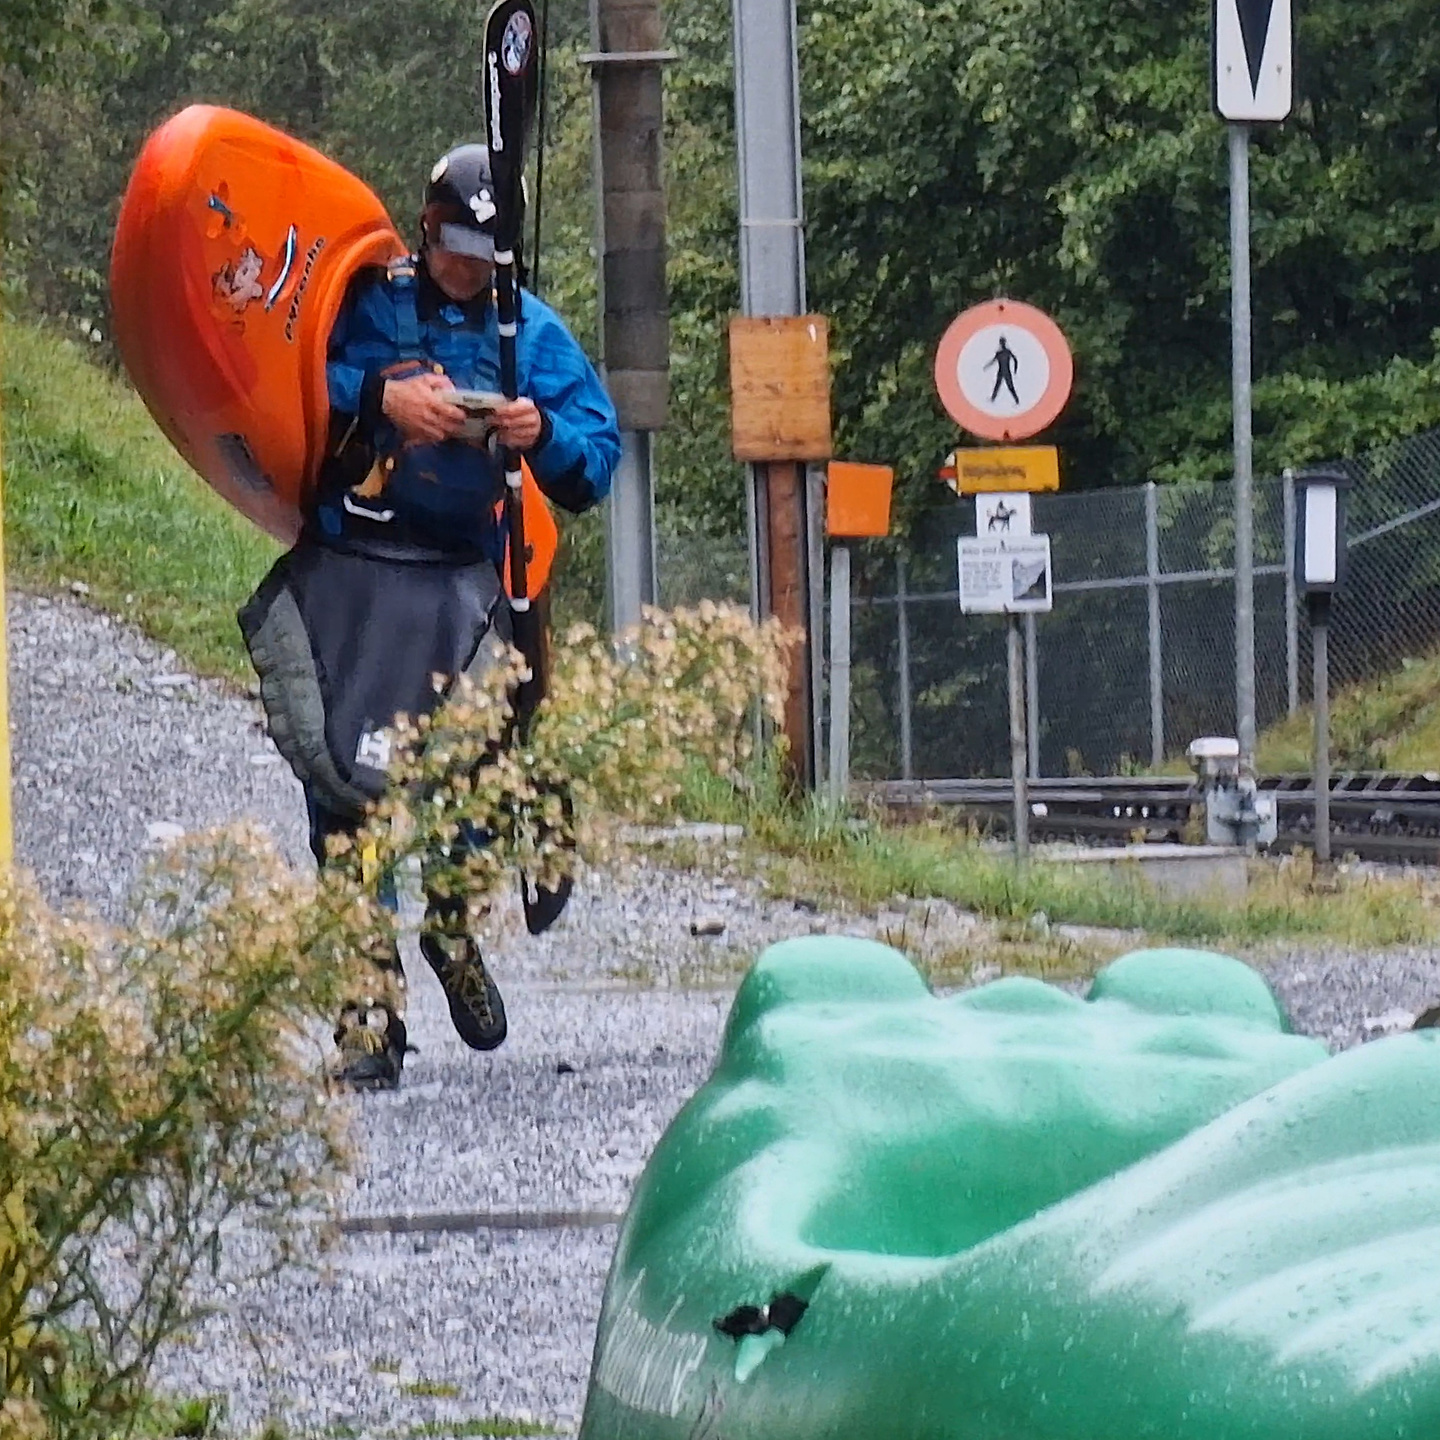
(989, 471)
(857, 499)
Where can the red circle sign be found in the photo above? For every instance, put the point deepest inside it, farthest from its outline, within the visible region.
(1004, 370)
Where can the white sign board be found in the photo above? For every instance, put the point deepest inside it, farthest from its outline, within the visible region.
(999, 516)
(1005, 577)
(1254, 49)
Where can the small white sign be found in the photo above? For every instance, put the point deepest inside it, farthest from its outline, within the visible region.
(1001, 516)
(1005, 577)
(1254, 45)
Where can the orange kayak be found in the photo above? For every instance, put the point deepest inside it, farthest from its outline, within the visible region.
(234, 249)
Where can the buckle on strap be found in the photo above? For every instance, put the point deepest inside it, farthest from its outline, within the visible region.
(400, 276)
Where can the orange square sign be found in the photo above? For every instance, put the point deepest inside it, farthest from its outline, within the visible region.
(857, 499)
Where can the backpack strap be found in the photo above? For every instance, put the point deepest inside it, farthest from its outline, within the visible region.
(400, 276)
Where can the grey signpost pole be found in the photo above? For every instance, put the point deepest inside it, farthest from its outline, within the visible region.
(1320, 645)
(1252, 75)
(1240, 381)
(1015, 654)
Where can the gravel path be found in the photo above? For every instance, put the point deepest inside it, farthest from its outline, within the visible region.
(615, 1016)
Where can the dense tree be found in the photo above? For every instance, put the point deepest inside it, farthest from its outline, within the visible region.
(1064, 153)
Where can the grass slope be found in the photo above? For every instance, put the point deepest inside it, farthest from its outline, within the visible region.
(94, 492)
(1388, 724)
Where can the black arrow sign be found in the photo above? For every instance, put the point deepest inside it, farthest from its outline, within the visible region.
(1255, 28)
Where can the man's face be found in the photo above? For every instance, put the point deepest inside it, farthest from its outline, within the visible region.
(461, 276)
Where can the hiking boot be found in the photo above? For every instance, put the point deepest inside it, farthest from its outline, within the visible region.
(371, 1040)
(476, 1009)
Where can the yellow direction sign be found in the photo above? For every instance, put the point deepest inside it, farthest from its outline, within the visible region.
(989, 471)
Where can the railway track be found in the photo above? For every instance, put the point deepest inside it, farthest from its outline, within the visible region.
(1373, 815)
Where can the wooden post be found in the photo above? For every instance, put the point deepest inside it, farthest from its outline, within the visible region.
(790, 603)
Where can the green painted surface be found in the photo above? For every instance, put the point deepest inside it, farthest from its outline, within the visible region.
(1016, 1215)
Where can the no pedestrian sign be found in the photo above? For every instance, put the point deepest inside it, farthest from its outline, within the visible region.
(1003, 370)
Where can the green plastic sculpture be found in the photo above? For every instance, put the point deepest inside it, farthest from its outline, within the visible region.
(1012, 1214)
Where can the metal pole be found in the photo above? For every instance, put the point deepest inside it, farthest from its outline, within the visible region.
(1157, 670)
(839, 673)
(1240, 322)
(772, 282)
(1320, 644)
(1032, 698)
(815, 607)
(630, 533)
(1016, 658)
(1292, 608)
(902, 626)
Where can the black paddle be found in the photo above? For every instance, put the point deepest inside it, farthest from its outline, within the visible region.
(509, 84)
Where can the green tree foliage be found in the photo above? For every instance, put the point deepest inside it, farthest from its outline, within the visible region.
(1063, 153)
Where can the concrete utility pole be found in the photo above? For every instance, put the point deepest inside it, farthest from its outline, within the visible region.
(625, 67)
(783, 518)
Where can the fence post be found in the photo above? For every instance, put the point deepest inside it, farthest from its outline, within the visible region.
(1032, 697)
(1152, 590)
(1292, 613)
(902, 627)
(839, 673)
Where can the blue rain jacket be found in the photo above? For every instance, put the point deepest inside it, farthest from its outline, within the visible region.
(445, 495)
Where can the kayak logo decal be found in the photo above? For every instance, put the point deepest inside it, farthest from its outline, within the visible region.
(287, 262)
(515, 43)
(237, 282)
(311, 255)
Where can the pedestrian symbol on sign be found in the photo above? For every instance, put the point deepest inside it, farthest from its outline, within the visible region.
(1006, 364)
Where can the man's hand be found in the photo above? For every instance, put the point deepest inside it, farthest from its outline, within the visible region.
(518, 424)
(419, 412)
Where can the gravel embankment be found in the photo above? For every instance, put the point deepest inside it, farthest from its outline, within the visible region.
(615, 1018)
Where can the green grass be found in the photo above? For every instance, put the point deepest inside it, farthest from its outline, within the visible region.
(1388, 724)
(94, 492)
(431, 1389)
(804, 850)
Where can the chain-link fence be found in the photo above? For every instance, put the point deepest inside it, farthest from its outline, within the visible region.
(692, 566)
(1138, 656)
